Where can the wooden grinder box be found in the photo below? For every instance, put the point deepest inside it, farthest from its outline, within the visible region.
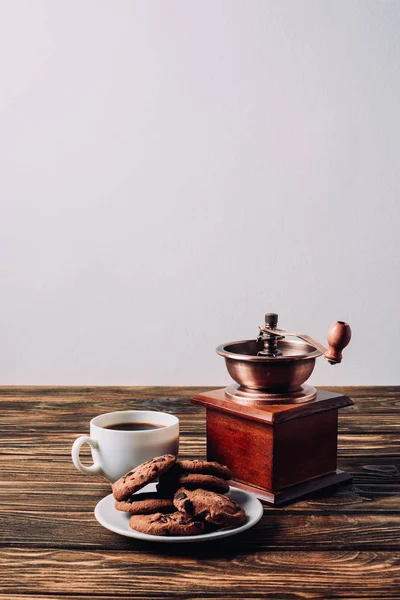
(280, 452)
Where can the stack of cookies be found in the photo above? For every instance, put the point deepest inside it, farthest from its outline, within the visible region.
(189, 500)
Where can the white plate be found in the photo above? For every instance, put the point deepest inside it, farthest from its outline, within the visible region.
(118, 521)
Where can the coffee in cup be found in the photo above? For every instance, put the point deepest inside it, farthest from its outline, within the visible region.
(122, 440)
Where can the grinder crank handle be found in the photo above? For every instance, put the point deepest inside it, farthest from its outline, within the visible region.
(339, 336)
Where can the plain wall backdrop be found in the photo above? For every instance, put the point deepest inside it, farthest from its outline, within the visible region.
(170, 171)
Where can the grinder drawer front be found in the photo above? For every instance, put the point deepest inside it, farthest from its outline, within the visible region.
(304, 448)
(243, 445)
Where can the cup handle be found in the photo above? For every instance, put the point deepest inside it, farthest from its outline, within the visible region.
(95, 468)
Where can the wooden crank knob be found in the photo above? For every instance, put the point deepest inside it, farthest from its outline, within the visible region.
(339, 335)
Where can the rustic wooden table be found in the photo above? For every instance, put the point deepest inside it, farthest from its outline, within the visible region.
(342, 544)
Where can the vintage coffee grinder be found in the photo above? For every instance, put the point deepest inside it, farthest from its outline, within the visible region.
(277, 434)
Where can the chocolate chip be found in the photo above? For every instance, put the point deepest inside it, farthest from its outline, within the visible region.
(197, 524)
(238, 507)
(129, 474)
(188, 506)
(180, 496)
(159, 460)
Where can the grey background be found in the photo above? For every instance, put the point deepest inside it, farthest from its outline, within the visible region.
(172, 170)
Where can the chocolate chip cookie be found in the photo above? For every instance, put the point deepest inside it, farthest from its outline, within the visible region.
(145, 503)
(140, 476)
(206, 482)
(204, 467)
(169, 483)
(160, 524)
(209, 506)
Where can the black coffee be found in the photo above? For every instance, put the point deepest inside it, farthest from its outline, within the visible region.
(133, 426)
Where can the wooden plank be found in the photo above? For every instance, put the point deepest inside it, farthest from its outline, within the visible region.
(78, 596)
(277, 530)
(44, 414)
(198, 571)
(55, 467)
(274, 593)
(110, 392)
(376, 444)
(346, 499)
(45, 446)
(76, 418)
(149, 392)
(367, 392)
(369, 423)
(204, 595)
(70, 409)
(56, 421)
(376, 488)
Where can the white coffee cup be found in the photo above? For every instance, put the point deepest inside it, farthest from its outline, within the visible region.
(115, 452)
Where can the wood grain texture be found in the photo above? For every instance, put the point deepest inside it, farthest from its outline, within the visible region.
(301, 574)
(342, 544)
(74, 529)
